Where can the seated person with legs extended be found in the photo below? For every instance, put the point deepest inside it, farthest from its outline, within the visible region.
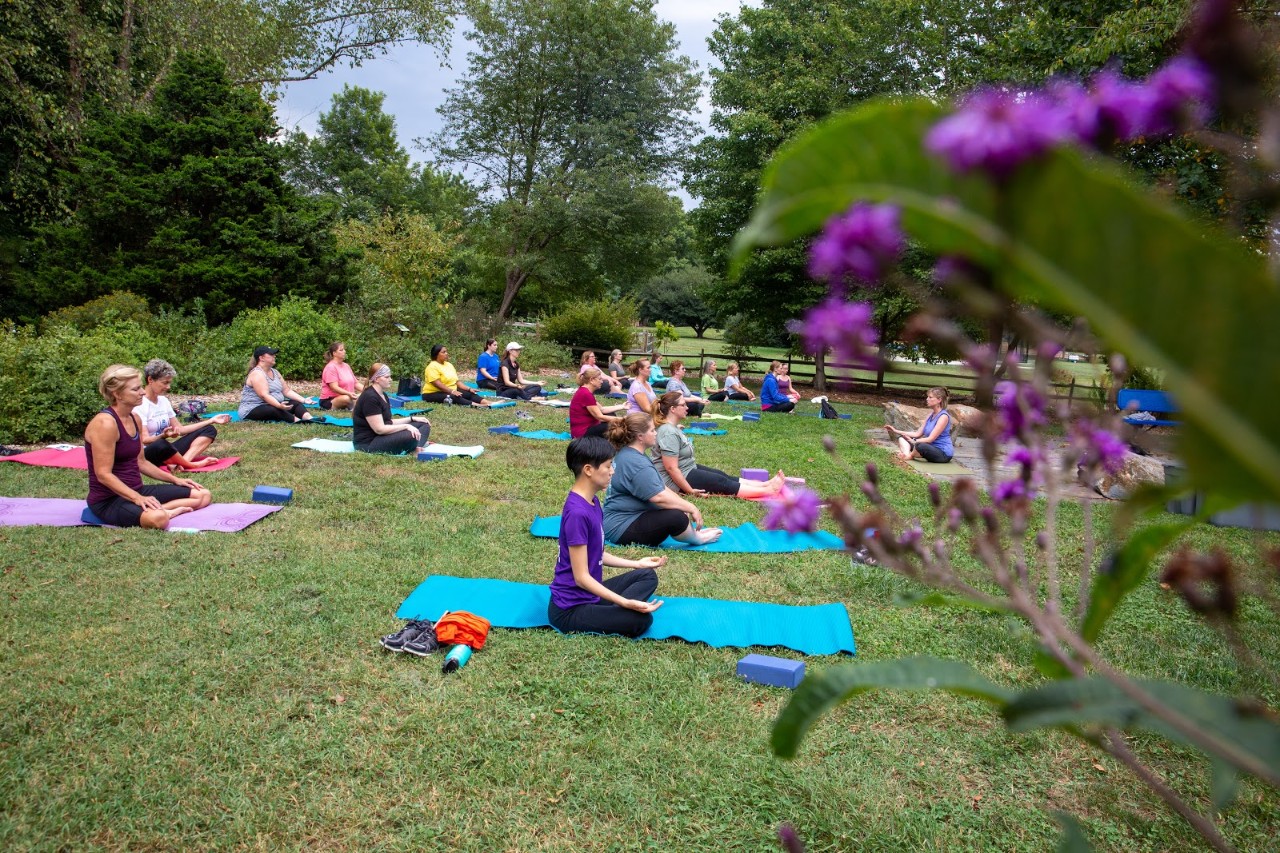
(113, 448)
(676, 383)
(440, 381)
(673, 456)
(165, 440)
(639, 509)
(375, 430)
(581, 600)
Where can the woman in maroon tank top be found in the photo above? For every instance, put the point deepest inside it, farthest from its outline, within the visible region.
(113, 445)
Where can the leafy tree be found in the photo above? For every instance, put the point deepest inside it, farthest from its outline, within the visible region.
(784, 67)
(570, 111)
(681, 295)
(184, 205)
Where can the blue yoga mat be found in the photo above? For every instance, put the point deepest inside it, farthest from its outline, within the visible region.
(235, 418)
(542, 435)
(745, 539)
(701, 431)
(822, 629)
(395, 413)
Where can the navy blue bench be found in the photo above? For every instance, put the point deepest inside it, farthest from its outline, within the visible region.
(1157, 403)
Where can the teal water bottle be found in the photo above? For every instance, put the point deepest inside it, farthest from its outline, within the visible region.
(456, 659)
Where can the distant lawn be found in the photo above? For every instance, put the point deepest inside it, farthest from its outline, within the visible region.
(171, 691)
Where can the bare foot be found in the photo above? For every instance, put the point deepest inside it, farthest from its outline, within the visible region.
(193, 464)
(777, 483)
(708, 534)
(177, 511)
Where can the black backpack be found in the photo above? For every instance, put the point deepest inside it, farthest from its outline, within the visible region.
(193, 409)
(410, 386)
(829, 412)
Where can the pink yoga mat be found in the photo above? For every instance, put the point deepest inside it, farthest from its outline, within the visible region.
(62, 512)
(49, 457)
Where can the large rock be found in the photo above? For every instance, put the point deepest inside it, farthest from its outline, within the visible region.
(1135, 471)
(968, 420)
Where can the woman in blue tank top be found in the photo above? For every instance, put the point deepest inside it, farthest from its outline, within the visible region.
(932, 442)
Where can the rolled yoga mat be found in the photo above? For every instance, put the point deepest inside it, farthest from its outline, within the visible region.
(822, 629)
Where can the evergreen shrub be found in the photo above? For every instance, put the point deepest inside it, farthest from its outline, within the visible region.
(297, 327)
(602, 325)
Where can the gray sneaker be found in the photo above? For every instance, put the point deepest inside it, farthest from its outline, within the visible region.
(396, 642)
(424, 643)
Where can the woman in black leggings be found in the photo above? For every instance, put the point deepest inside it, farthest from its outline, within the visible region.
(376, 431)
(681, 472)
(639, 509)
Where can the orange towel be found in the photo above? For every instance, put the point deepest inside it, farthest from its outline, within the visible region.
(462, 627)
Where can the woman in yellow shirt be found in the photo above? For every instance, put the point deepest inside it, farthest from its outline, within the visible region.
(440, 381)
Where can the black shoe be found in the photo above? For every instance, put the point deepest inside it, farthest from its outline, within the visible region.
(424, 643)
(397, 641)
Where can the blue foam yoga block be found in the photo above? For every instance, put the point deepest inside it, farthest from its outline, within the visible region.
(89, 518)
(272, 494)
(775, 672)
(428, 456)
(505, 429)
(750, 416)
(397, 401)
(704, 425)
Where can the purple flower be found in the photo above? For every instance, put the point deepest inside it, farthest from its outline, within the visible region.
(996, 131)
(1021, 408)
(1098, 446)
(795, 511)
(843, 327)
(1009, 490)
(863, 243)
(1181, 88)
(1077, 109)
(1125, 109)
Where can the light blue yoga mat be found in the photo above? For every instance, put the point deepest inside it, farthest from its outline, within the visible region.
(542, 435)
(395, 413)
(822, 629)
(745, 539)
(701, 431)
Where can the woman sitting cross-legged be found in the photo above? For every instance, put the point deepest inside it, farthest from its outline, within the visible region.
(771, 399)
(339, 387)
(113, 447)
(440, 381)
(733, 387)
(511, 382)
(375, 430)
(165, 441)
(676, 383)
(640, 397)
(266, 396)
(487, 366)
(609, 385)
(586, 416)
(932, 442)
(617, 372)
(673, 457)
(581, 599)
(639, 509)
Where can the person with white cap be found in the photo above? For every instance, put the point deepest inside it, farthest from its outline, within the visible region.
(511, 382)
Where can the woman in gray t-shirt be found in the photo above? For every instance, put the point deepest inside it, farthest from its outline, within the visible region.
(674, 462)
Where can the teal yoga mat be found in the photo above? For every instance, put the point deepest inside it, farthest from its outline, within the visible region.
(822, 629)
(745, 539)
(542, 435)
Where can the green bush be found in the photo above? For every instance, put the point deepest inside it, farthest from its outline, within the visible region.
(49, 382)
(207, 359)
(112, 308)
(296, 327)
(604, 325)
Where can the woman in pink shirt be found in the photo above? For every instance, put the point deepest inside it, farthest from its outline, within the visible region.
(338, 385)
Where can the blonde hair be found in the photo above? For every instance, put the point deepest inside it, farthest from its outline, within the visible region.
(586, 356)
(625, 431)
(114, 378)
(774, 365)
(587, 375)
(941, 393)
(732, 367)
(616, 355)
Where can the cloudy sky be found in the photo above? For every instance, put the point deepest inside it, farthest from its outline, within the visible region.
(414, 79)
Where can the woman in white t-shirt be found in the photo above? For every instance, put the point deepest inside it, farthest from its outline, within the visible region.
(165, 441)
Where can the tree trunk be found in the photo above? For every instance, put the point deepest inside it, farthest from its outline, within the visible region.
(516, 278)
(820, 372)
(76, 85)
(124, 59)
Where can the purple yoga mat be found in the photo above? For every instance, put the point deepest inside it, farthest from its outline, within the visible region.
(62, 512)
(49, 512)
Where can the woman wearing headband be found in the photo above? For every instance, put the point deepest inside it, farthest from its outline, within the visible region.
(375, 430)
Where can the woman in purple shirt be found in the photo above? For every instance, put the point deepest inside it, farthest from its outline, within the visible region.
(113, 445)
(581, 600)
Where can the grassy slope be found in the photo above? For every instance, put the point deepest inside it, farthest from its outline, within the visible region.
(162, 690)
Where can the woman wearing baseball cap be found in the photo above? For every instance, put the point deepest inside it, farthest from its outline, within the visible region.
(511, 382)
(266, 396)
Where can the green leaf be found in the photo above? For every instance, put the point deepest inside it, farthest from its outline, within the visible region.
(1073, 839)
(1075, 235)
(1127, 568)
(935, 598)
(819, 693)
(1048, 665)
(1225, 784)
(1241, 733)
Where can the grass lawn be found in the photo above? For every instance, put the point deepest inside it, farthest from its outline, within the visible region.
(168, 691)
